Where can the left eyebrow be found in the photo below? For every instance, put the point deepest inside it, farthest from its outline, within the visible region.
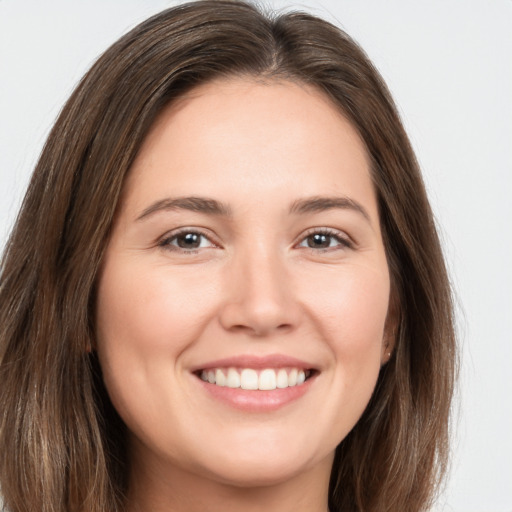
(320, 203)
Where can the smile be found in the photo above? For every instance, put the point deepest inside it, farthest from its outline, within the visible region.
(252, 379)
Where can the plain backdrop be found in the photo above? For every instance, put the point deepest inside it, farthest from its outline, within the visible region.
(449, 66)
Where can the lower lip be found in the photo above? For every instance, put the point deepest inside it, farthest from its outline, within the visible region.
(256, 400)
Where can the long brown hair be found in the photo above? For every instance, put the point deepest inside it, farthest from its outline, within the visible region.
(61, 442)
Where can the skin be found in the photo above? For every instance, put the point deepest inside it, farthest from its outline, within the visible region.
(254, 286)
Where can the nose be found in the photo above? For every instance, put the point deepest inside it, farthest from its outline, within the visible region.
(260, 298)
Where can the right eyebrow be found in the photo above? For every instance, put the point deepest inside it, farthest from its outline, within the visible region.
(191, 203)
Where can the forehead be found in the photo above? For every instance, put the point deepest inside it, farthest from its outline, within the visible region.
(235, 133)
(254, 105)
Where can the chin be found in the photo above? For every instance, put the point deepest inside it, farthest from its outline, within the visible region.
(257, 473)
(261, 466)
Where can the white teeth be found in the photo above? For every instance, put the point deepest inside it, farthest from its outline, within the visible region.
(267, 380)
(220, 378)
(282, 379)
(233, 380)
(249, 379)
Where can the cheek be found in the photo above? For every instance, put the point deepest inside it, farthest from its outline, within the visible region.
(350, 306)
(351, 319)
(144, 311)
(145, 320)
(350, 312)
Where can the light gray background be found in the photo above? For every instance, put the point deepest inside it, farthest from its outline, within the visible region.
(448, 64)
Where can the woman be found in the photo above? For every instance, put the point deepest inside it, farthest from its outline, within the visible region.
(224, 290)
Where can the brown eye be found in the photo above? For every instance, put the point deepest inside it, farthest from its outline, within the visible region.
(189, 240)
(186, 241)
(319, 240)
(325, 240)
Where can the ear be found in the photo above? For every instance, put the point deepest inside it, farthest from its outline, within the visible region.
(90, 345)
(390, 330)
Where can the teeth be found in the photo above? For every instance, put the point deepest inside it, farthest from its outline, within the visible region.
(233, 379)
(249, 379)
(220, 378)
(282, 379)
(267, 380)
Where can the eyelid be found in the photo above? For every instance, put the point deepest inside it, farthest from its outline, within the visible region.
(345, 241)
(164, 241)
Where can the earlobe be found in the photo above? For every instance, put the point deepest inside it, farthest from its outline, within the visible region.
(90, 345)
(387, 351)
(387, 348)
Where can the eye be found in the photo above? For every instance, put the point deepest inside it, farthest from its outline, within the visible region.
(325, 239)
(186, 240)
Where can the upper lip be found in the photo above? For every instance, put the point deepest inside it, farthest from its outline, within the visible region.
(256, 362)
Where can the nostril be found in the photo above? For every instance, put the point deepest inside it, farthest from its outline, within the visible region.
(262, 329)
(260, 314)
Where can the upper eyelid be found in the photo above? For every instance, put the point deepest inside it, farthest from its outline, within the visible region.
(170, 235)
(324, 229)
(342, 235)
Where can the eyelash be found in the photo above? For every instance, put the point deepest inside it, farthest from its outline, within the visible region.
(166, 243)
(342, 240)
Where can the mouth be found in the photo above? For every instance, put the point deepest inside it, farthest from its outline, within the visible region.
(257, 383)
(256, 379)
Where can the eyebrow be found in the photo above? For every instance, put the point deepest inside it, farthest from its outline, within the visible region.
(210, 206)
(193, 204)
(320, 203)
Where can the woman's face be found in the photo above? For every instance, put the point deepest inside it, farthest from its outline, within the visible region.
(247, 252)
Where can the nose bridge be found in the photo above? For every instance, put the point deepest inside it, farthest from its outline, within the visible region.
(265, 276)
(260, 298)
